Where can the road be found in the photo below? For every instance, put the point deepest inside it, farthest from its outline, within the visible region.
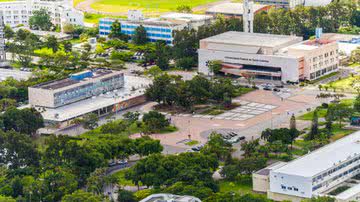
(14, 73)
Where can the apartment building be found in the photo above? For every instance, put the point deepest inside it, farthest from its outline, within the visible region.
(161, 28)
(61, 12)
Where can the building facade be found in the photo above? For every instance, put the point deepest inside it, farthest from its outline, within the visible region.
(75, 88)
(270, 57)
(156, 28)
(318, 172)
(60, 11)
(282, 3)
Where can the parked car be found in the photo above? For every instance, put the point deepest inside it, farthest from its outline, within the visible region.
(276, 90)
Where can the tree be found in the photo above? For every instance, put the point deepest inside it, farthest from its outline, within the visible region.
(218, 146)
(314, 131)
(41, 20)
(89, 121)
(96, 181)
(329, 119)
(68, 28)
(153, 71)
(357, 104)
(6, 199)
(8, 32)
(244, 166)
(145, 146)
(67, 46)
(116, 31)
(125, 196)
(249, 147)
(25, 121)
(162, 55)
(342, 111)
(51, 42)
(186, 63)
(139, 37)
(131, 116)
(80, 196)
(320, 199)
(154, 121)
(215, 66)
(17, 150)
(184, 9)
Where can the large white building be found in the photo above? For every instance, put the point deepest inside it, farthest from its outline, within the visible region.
(319, 172)
(267, 56)
(61, 11)
(282, 3)
(161, 28)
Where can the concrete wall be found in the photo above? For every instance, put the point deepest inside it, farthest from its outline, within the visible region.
(41, 97)
(260, 183)
(291, 185)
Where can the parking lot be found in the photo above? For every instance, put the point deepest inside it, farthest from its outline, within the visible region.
(14, 73)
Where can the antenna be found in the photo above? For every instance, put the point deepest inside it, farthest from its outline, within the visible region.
(248, 16)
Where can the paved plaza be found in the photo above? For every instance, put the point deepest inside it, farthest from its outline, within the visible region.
(245, 111)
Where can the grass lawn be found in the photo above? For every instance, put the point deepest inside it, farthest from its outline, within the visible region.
(192, 143)
(237, 187)
(121, 178)
(355, 65)
(76, 2)
(339, 133)
(154, 6)
(94, 18)
(345, 84)
(308, 116)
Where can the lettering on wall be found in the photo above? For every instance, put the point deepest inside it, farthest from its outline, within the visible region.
(247, 59)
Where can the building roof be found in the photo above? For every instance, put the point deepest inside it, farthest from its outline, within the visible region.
(58, 84)
(347, 194)
(324, 158)
(233, 8)
(188, 17)
(266, 171)
(79, 108)
(252, 39)
(317, 2)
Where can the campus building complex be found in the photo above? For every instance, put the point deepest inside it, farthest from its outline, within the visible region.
(234, 9)
(2, 41)
(318, 173)
(161, 28)
(100, 91)
(270, 57)
(282, 3)
(61, 11)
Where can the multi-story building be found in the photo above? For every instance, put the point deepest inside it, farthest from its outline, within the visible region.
(161, 28)
(282, 3)
(236, 10)
(77, 87)
(267, 56)
(319, 172)
(61, 12)
(2, 41)
(100, 91)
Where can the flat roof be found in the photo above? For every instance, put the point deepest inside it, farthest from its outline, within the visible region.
(233, 8)
(85, 106)
(324, 158)
(58, 84)
(251, 39)
(266, 171)
(349, 192)
(186, 16)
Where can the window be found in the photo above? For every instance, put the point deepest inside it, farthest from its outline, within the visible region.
(283, 187)
(296, 189)
(290, 188)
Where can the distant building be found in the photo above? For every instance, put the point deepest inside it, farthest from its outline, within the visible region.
(161, 28)
(282, 3)
(317, 2)
(99, 91)
(3, 62)
(169, 198)
(61, 12)
(347, 42)
(261, 180)
(319, 172)
(268, 56)
(234, 9)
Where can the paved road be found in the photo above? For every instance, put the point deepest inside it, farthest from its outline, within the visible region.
(16, 74)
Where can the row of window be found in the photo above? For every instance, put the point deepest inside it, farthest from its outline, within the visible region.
(356, 168)
(289, 188)
(322, 71)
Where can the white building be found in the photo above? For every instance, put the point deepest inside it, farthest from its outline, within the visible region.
(267, 56)
(161, 28)
(234, 9)
(318, 172)
(282, 3)
(61, 12)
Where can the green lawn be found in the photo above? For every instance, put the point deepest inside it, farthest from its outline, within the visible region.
(94, 18)
(154, 6)
(192, 143)
(120, 175)
(345, 83)
(355, 65)
(237, 187)
(308, 116)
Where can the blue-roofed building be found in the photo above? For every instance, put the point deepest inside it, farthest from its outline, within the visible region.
(161, 28)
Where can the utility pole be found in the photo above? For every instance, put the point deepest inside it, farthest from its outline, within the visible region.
(248, 16)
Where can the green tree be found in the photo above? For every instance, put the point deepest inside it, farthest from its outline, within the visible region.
(116, 33)
(6, 199)
(218, 146)
(81, 196)
(8, 32)
(184, 9)
(154, 121)
(357, 104)
(51, 42)
(162, 57)
(320, 199)
(153, 71)
(67, 46)
(140, 37)
(215, 66)
(17, 150)
(145, 146)
(41, 20)
(90, 121)
(68, 28)
(125, 196)
(314, 131)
